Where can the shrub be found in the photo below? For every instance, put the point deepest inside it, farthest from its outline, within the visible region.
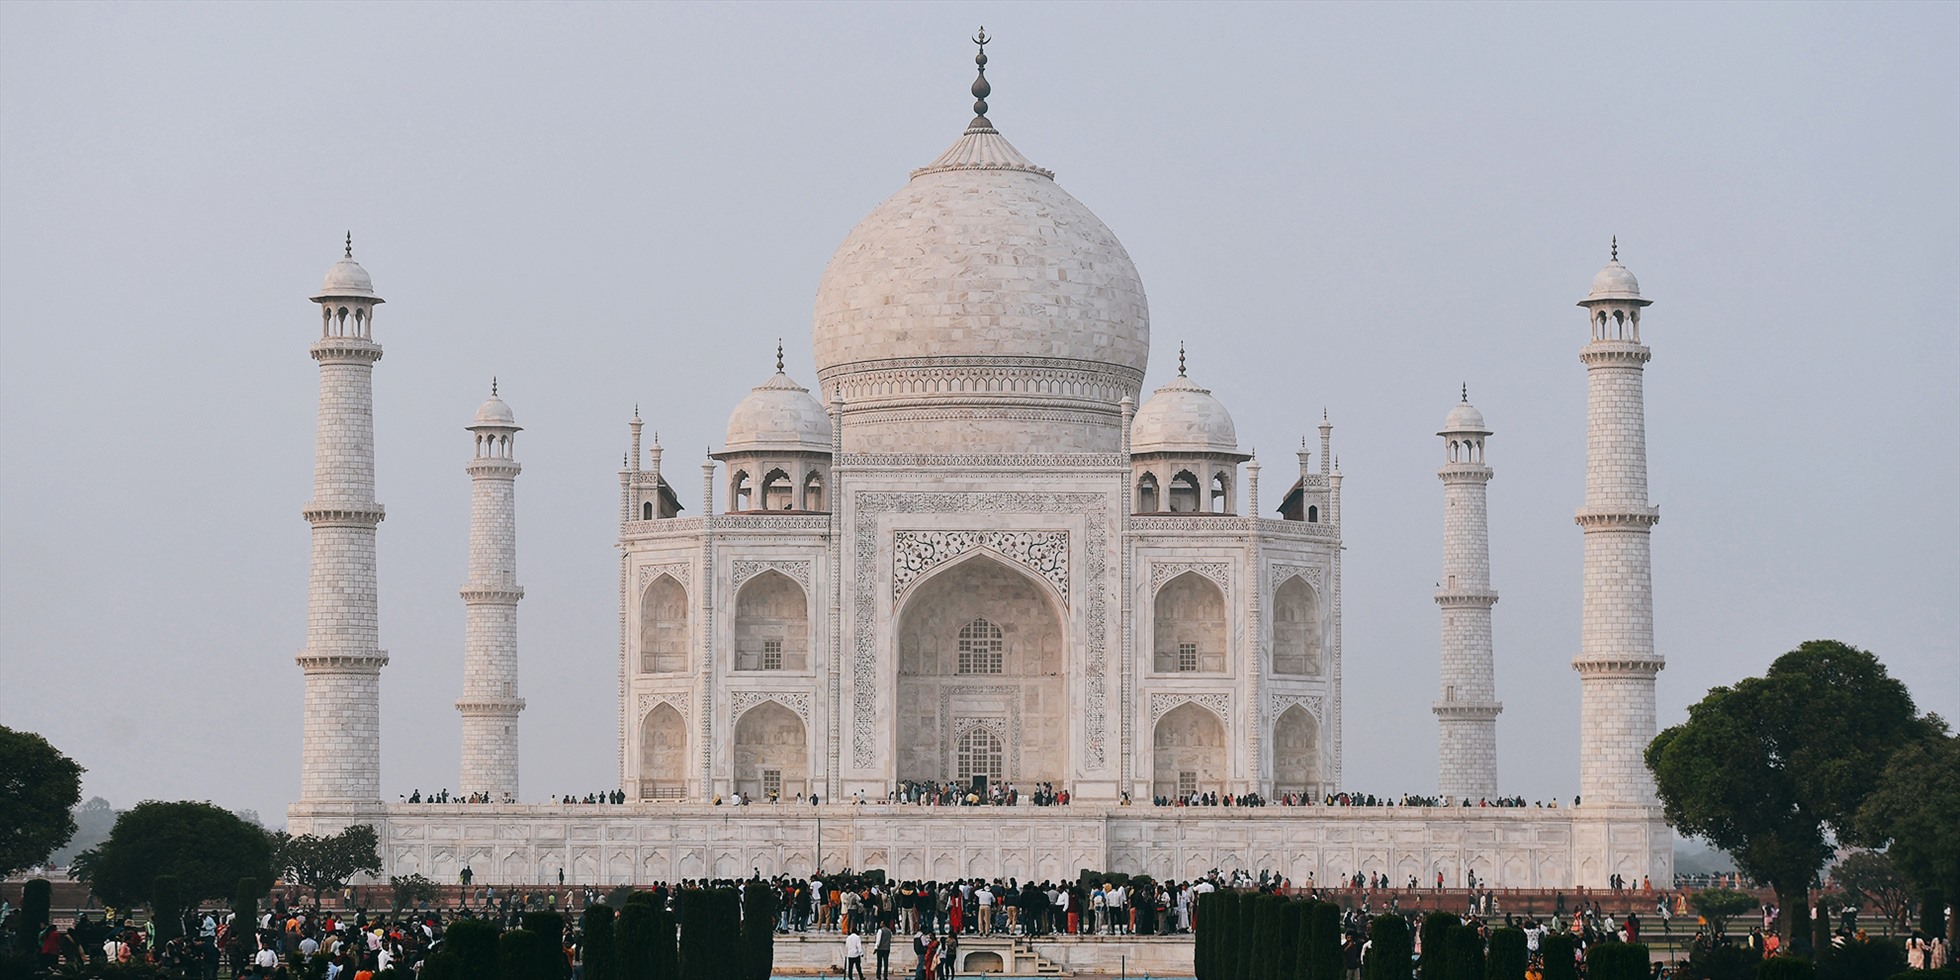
(1324, 943)
(245, 904)
(666, 948)
(1390, 951)
(1871, 959)
(1217, 924)
(1291, 927)
(1561, 961)
(1617, 961)
(758, 930)
(633, 941)
(1242, 965)
(1463, 953)
(1786, 968)
(523, 955)
(443, 966)
(1302, 965)
(549, 925)
(1732, 961)
(474, 944)
(1508, 956)
(1202, 911)
(596, 942)
(1435, 943)
(712, 928)
(1263, 947)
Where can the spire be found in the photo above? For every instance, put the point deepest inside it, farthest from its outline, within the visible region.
(779, 355)
(493, 391)
(1466, 393)
(350, 244)
(980, 87)
(1616, 248)
(1180, 358)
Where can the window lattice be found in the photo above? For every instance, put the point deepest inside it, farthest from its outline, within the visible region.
(772, 784)
(980, 648)
(1187, 783)
(979, 755)
(772, 654)
(1187, 656)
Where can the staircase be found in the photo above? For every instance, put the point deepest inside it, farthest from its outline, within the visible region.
(1011, 956)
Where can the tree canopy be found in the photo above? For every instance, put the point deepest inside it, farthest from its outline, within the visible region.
(204, 846)
(320, 863)
(1916, 807)
(38, 790)
(1765, 768)
(1871, 882)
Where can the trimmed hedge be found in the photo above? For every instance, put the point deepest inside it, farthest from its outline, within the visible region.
(1508, 955)
(524, 955)
(1324, 960)
(633, 944)
(1872, 959)
(711, 930)
(35, 899)
(1202, 912)
(1435, 944)
(596, 942)
(1786, 967)
(1292, 926)
(1617, 961)
(1242, 963)
(1561, 957)
(1464, 953)
(1391, 950)
(666, 940)
(1264, 949)
(758, 930)
(474, 944)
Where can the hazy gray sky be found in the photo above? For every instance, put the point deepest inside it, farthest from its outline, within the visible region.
(1349, 206)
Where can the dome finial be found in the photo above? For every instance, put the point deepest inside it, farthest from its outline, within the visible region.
(493, 393)
(779, 355)
(1466, 393)
(1180, 358)
(1616, 248)
(980, 87)
(350, 243)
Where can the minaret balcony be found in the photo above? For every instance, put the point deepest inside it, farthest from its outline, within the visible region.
(1467, 599)
(1608, 518)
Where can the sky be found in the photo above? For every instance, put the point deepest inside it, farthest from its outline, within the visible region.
(1349, 207)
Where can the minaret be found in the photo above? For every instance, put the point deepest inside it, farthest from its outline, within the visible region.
(1616, 661)
(490, 703)
(340, 738)
(1466, 749)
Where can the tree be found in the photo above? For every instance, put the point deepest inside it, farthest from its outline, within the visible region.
(1324, 943)
(1435, 940)
(38, 790)
(525, 955)
(1718, 904)
(711, 930)
(1390, 949)
(166, 908)
(1508, 954)
(633, 941)
(320, 863)
(758, 930)
(1917, 808)
(1465, 953)
(474, 944)
(1617, 961)
(596, 926)
(1293, 931)
(1559, 954)
(205, 847)
(409, 890)
(1266, 910)
(1763, 769)
(35, 898)
(1871, 882)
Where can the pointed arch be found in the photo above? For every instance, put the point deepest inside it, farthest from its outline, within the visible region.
(1184, 495)
(1188, 626)
(1296, 753)
(772, 754)
(778, 491)
(1296, 628)
(663, 626)
(772, 624)
(1188, 752)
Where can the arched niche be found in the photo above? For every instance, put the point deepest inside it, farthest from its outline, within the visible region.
(663, 626)
(1188, 752)
(772, 624)
(981, 600)
(1296, 753)
(1296, 628)
(771, 752)
(1188, 626)
(663, 754)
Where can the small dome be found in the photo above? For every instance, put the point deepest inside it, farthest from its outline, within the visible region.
(779, 414)
(1615, 283)
(493, 411)
(1464, 418)
(1181, 417)
(347, 279)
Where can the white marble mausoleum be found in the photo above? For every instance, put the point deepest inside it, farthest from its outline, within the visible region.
(974, 547)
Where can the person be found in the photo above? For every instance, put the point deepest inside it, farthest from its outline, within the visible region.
(853, 956)
(921, 949)
(949, 955)
(881, 949)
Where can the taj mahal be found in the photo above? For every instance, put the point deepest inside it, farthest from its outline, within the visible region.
(974, 550)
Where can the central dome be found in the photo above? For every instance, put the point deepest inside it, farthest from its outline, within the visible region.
(978, 297)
